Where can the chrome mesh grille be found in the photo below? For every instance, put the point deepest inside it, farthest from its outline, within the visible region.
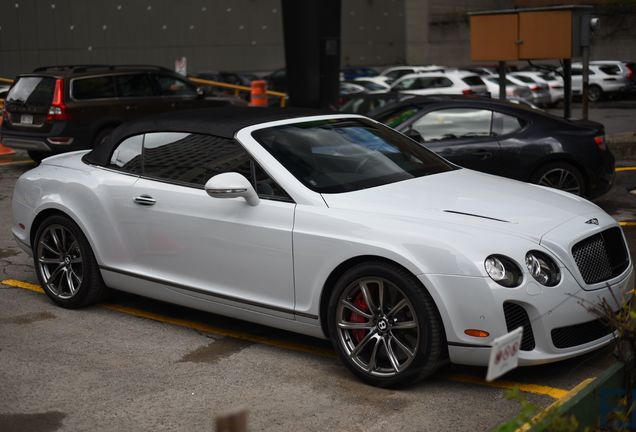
(579, 334)
(601, 256)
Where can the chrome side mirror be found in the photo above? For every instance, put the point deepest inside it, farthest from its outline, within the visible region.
(231, 185)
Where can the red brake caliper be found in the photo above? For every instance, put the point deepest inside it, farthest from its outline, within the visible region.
(361, 304)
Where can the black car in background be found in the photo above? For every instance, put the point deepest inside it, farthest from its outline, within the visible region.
(508, 140)
(57, 109)
(353, 72)
(368, 103)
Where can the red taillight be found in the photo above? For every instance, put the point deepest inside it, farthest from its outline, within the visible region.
(599, 140)
(58, 109)
(535, 88)
(630, 73)
(468, 92)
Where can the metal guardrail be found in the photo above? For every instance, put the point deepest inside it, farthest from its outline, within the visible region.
(238, 88)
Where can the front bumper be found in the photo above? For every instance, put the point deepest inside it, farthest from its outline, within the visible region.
(477, 303)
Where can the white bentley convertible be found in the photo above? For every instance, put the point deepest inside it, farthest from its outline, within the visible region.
(333, 226)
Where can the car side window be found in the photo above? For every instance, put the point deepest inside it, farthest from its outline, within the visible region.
(407, 84)
(127, 155)
(173, 86)
(192, 159)
(454, 123)
(93, 88)
(504, 124)
(137, 85)
(440, 82)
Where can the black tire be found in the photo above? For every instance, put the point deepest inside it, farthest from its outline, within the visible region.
(428, 351)
(37, 156)
(72, 247)
(594, 93)
(101, 136)
(550, 175)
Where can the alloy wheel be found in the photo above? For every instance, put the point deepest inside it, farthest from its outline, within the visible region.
(59, 261)
(563, 179)
(377, 326)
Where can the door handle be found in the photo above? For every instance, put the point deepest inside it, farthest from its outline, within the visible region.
(482, 154)
(146, 200)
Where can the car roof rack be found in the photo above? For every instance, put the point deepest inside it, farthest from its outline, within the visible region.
(64, 68)
(87, 67)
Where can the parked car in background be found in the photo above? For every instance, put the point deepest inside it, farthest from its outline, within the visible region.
(430, 83)
(372, 85)
(392, 74)
(479, 70)
(510, 140)
(353, 72)
(349, 90)
(419, 261)
(605, 80)
(540, 91)
(626, 69)
(368, 103)
(513, 91)
(552, 80)
(57, 109)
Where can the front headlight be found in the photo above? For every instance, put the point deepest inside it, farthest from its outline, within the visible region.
(503, 270)
(543, 268)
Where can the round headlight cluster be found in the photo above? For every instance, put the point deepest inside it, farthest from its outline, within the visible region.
(503, 270)
(543, 268)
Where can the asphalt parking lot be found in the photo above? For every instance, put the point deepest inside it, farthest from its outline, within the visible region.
(136, 364)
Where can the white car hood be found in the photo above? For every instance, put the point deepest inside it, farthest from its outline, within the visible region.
(466, 197)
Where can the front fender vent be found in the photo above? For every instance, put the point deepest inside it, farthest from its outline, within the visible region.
(516, 316)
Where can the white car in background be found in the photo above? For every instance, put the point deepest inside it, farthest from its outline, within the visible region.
(394, 73)
(605, 79)
(513, 91)
(540, 91)
(553, 81)
(449, 83)
(372, 85)
(333, 226)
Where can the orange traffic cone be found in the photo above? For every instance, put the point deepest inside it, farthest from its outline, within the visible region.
(6, 150)
(258, 95)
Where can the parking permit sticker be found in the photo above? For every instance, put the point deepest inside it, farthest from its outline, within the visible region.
(504, 355)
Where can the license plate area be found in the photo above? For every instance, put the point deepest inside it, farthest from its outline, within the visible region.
(26, 119)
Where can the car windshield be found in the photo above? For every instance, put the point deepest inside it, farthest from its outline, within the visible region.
(334, 156)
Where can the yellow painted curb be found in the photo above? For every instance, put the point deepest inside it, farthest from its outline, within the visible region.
(554, 405)
(553, 392)
(621, 169)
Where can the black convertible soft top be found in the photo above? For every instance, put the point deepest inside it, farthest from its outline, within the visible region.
(223, 122)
